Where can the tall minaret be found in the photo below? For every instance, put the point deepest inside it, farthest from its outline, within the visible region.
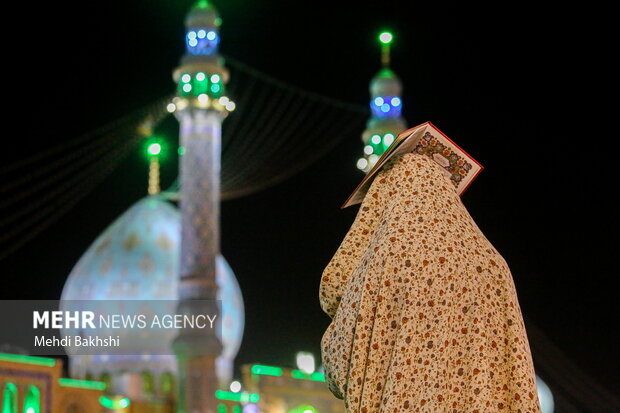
(200, 107)
(154, 151)
(385, 121)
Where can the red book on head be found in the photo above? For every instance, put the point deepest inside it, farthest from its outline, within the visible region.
(427, 140)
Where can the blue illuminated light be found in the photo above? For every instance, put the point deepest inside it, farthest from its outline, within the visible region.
(386, 106)
(202, 42)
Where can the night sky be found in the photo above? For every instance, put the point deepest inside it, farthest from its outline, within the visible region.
(511, 83)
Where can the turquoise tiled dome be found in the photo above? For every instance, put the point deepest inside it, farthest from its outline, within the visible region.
(137, 258)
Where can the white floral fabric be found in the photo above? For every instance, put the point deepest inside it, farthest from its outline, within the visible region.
(425, 315)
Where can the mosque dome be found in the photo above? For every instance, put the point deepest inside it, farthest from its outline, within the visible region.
(544, 396)
(137, 258)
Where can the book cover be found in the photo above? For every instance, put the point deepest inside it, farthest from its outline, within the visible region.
(425, 139)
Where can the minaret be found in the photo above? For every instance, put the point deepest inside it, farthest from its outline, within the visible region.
(200, 107)
(385, 121)
(153, 152)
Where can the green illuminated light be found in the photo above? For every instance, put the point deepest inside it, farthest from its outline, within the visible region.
(201, 85)
(109, 403)
(316, 376)
(386, 37)
(106, 402)
(9, 398)
(298, 374)
(32, 402)
(35, 361)
(266, 370)
(154, 149)
(237, 397)
(181, 150)
(155, 146)
(221, 408)
(82, 384)
(303, 409)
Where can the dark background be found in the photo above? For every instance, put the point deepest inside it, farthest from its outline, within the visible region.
(521, 86)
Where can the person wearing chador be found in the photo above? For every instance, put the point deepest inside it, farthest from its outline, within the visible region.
(425, 315)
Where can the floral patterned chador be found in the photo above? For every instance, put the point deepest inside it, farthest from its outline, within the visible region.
(425, 315)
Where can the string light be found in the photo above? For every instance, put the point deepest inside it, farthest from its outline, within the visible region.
(171, 107)
(96, 167)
